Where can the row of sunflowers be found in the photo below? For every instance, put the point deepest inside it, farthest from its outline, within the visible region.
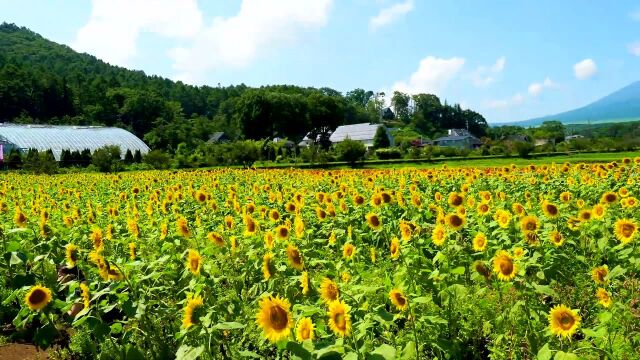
(515, 262)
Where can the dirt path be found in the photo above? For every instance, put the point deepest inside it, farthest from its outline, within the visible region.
(21, 352)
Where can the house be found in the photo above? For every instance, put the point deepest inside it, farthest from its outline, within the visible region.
(573, 137)
(541, 142)
(219, 137)
(516, 137)
(364, 133)
(388, 114)
(307, 141)
(460, 138)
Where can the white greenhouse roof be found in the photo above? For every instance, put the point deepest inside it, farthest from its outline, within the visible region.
(359, 132)
(58, 138)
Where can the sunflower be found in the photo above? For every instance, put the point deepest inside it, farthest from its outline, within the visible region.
(228, 222)
(274, 215)
(86, 295)
(304, 329)
(438, 235)
(295, 257)
(348, 251)
(563, 321)
(550, 209)
(251, 225)
(216, 238)
(556, 238)
(598, 211)
(183, 227)
(405, 231)
(38, 297)
(398, 299)
(599, 274)
(358, 199)
(304, 282)
(339, 318)
(374, 221)
(329, 290)
(19, 218)
(455, 199)
(71, 251)
(191, 316)
(133, 251)
(394, 248)
(482, 269)
(529, 223)
(97, 239)
(455, 221)
(267, 267)
(503, 218)
(332, 238)
(194, 262)
(585, 215)
(504, 266)
(282, 232)
(483, 209)
(298, 224)
(518, 253)
(625, 230)
(479, 242)
(609, 197)
(274, 318)
(604, 297)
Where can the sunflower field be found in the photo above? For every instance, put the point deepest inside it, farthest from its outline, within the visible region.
(536, 262)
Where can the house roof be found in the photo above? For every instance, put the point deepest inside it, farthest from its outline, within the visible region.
(360, 132)
(217, 136)
(459, 138)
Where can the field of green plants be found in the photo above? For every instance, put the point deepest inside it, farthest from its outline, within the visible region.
(512, 262)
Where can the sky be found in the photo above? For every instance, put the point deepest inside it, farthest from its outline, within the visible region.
(508, 60)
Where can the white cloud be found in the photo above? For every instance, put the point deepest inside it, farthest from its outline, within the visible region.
(504, 104)
(585, 69)
(432, 76)
(113, 29)
(237, 41)
(634, 48)
(484, 76)
(536, 88)
(390, 14)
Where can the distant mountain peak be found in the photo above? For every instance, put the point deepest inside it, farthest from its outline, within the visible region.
(619, 106)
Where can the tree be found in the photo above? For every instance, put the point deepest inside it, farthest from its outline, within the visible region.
(400, 102)
(128, 157)
(14, 161)
(137, 157)
(106, 158)
(552, 130)
(381, 139)
(157, 159)
(351, 151)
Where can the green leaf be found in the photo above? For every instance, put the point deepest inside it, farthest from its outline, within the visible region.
(409, 351)
(421, 300)
(133, 353)
(459, 270)
(186, 352)
(544, 289)
(228, 326)
(605, 317)
(544, 353)
(17, 258)
(249, 354)
(383, 352)
(600, 333)
(44, 336)
(298, 350)
(561, 355)
(350, 356)
(617, 271)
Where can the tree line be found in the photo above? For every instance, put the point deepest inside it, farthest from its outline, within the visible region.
(44, 82)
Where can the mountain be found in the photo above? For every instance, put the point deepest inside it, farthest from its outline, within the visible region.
(620, 106)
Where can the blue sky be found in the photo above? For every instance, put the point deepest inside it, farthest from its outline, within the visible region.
(509, 60)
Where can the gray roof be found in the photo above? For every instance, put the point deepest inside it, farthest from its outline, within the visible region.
(217, 136)
(459, 138)
(359, 132)
(58, 138)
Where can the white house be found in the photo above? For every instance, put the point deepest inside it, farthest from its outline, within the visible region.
(364, 133)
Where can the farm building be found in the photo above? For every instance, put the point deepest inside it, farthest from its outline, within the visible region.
(461, 138)
(364, 133)
(57, 138)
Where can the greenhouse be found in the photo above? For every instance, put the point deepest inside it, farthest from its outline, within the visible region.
(58, 138)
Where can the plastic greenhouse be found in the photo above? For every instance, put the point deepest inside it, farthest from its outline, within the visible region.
(58, 138)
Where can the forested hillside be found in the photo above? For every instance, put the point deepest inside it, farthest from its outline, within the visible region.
(45, 82)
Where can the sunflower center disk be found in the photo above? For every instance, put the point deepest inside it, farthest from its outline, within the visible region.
(278, 317)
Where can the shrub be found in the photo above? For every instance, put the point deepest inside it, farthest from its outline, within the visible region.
(351, 151)
(384, 154)
(157, 159)
(524, 148)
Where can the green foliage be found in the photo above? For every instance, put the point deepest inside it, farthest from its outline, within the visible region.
(157, 159)
(40, 162)
(351, 151)
(381, 138)
(524, 148)
(106, 158)
(384, 154)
